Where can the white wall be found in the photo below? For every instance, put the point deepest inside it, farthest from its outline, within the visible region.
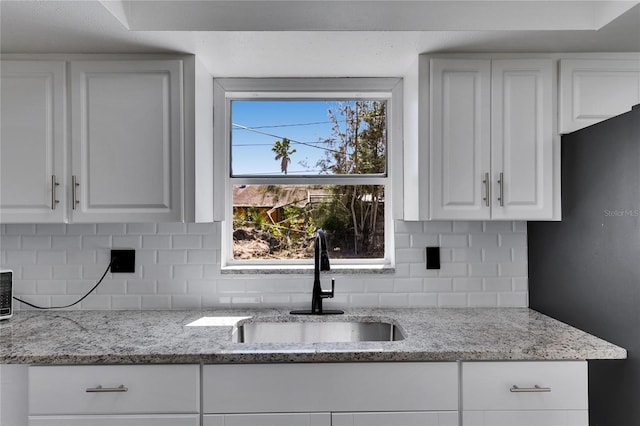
(178, 267)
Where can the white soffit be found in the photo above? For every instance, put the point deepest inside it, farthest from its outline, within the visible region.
(365, 15)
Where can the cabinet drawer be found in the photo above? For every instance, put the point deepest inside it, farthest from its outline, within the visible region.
(424, 418)
(119, 420)
(490, 385)
(270, 419)
(149, 389)
(277, 388)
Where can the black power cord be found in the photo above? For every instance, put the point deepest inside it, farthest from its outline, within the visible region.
(74, 303)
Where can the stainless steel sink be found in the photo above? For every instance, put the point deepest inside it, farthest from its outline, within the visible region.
(316, 332)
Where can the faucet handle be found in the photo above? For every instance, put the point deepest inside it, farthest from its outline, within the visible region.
(328, 293)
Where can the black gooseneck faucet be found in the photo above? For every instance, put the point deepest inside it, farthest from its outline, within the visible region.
(321, 263)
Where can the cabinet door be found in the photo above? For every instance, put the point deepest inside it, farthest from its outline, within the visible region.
(32, 141)
(420, 418)
(526, 418)
(118, 420)
(522, 139)
(127, 140)
(592, 90)
(269, 419)
(460, 138)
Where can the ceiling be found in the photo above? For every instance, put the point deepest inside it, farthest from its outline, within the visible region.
(293, 38)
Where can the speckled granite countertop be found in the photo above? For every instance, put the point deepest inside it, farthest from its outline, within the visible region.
(131, 337)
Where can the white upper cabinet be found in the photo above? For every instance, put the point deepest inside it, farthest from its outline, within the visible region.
(592, 90)
(32, 132)
(491, 139)
(460, 138)
(127, 141)
(522, 139)
(118, 144)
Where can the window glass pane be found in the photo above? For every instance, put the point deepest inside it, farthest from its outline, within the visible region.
(308, 137)
(279, 221)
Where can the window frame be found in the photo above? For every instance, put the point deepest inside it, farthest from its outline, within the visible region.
(228, 89)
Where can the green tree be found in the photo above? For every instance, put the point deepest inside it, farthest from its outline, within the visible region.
(358, 146)
(283, 153)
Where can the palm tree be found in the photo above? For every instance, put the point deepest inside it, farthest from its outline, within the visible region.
(281, 148)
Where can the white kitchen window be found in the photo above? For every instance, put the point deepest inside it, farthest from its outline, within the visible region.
(293, 155)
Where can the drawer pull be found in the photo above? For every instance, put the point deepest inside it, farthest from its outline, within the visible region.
(536, 388)
(99, 388)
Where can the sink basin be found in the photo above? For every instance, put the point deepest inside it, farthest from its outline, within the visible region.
(316, 332)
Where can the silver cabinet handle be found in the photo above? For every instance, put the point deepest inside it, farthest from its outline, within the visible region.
(54, 184)
(99, 388)
(501, 186)
(74, 192)
(536, 388)
(487, 189)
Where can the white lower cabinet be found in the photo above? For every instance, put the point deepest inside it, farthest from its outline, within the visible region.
(115, 420)
(268, 419)
(114, 395)
(355, 394)
(428, 418)
(546, 393)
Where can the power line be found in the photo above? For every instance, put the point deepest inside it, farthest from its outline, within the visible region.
(250, 129)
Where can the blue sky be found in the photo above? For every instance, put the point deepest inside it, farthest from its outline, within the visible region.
(299, 121)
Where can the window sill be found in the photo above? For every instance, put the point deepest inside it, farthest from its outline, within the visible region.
(305, 269)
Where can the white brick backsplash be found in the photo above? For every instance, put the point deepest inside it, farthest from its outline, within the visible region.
(112, 228)
(126, 242)
(81, 229)
(513, 240)
(496, 254)
(452, 300)
(488, 240)
(37, 272)
(67, 272)
(423, 300)
(171, 228)
(483, 270)
(172, 257)
(51, 229)
(46, 257)
(467, 284)
(454, 240)
(187, 272)
(513, 299)
(96, 241)
(187, 241)
(156, 241)
(494, 227)
(156, 272)
(497, 284)
(466, 255)
(126, 302)
(21, 256)
(141, 228)
(97, 302)
(168, 286)
(9, 242)
(36, 242)
(513, 269)
(437, 285)
(178, 267)
(156, 302)
(486, 300)
(19, 229)
(438, 227)
(408, 285)
(141, 286)
(467, 227)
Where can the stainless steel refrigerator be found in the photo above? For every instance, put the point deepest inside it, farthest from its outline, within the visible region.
(585, 270)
